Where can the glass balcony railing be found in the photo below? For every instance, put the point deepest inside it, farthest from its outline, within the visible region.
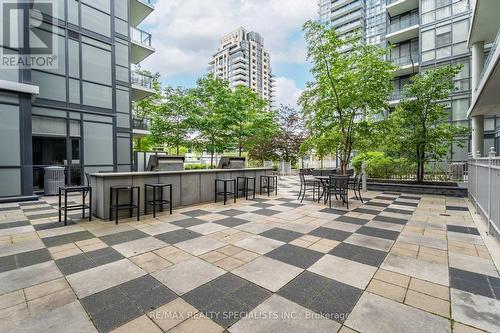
(494, 47)
(147, 2)
(140, 36)
(397, 94)
(388, 2)
(141, 124)
(142, 80)
(403, 23)
(405, 60)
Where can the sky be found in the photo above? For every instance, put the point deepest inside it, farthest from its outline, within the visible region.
(186, 33)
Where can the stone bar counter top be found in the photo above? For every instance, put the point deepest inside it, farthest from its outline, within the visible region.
(189, 187)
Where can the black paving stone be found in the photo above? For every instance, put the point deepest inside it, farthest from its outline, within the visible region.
(475, 283)
(413, 197)
(398, 211)
(231, 222)
(116, 316)
(67, 238)
(266, 212)
(390, 219)
(186, 223)
(366, 211)
(227, 311)
(29, 210)
(231, 212)
(177, 236)
(360, 254)
(352, 220)
(7, 209)
(102, 300)
(457, 208)
(281, 234)
(53, 225)
(334, 211)
(7, 263)
(376, 204)
(104, 256)
(16, 224)
(381, 197)
(334, 234)
(75, 264)
(377, 232)
(196, 213)
(404, 203)
(462, 229)
(330, 298)
(262, 205)
(32, 257)
(295, 255)
(122, 237)
(291, 205)
(227, 283)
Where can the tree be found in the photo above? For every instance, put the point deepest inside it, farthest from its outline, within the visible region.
(170, 122)
(146, 107)
(348, 88)
(261, 145)
(291, 134)
(420, 130)
(211, 115)
(247, 109)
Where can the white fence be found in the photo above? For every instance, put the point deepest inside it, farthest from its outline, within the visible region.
(484, 188)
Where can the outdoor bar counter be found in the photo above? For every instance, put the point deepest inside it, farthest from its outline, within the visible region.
(189, 187)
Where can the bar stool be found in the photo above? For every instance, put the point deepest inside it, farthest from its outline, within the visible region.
(117, 206)
(270, 184)
(75, 189)
(157, 201)
(225, 193)
(246, 188)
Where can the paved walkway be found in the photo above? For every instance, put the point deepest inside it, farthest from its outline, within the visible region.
(398, 263)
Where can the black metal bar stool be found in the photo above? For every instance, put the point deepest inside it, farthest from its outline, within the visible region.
(157, 201)
(116, 206)
(85, 190)
(269, 183)
(225, 193)
(246, 188)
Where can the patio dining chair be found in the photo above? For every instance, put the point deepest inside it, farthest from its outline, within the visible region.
(339, 187)
(308, 184)
(356, 186)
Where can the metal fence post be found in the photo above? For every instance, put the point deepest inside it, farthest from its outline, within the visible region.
(363, 181)
(491, 155)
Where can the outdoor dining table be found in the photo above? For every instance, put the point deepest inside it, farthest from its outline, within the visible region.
(324, 183)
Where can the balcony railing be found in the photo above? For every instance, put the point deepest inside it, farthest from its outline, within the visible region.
(147, 2)
(142, 80)
(388, 2)
(141, 124)
(403, 23)
(405, 60)
(140, 36)
(397, 95)
(494, 47)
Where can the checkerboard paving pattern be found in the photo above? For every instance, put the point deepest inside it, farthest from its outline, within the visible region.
(396, 263)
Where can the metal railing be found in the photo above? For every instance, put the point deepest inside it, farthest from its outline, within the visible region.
(397, 94)
(405, 60)
(147, 2)
(143, 80)
(141, 124)
(403, 24)
(494, 47)
(484, 188)
(140, 36)
(388, 2)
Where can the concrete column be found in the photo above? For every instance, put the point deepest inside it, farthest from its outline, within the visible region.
(477, 122)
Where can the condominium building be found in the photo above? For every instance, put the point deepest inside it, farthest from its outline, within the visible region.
(242, 60)
(66, 91)
(422, 34)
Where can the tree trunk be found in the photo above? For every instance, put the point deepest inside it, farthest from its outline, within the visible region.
(211, 159)
(177, 150)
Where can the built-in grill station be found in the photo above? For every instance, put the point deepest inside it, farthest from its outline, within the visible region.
(159, 162)
(231, 162)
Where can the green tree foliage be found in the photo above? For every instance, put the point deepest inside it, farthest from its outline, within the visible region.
(291, 134)
(170, 123)
(419, 128)
(347, 91)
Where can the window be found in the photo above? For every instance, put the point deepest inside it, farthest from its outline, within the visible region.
(96, 65)
(74, 58)
(459, 109)
(74, 91)
(428, 40)
(443, 36)
(97, 95)
(52, 86)
(103, 5)
(9, 136)
(96, 21)
(98, 143)
(121, 9)
(460, 31)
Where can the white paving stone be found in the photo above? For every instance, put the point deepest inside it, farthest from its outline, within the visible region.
(139, 246)
(371, 242)
(187, 275)
(473, 264)
(200, 245)
(376, 314)
(475, 310)
(421, 269)
(268, 273)
(344, 270)
(259, 244)
(28, 276)
(20, 247)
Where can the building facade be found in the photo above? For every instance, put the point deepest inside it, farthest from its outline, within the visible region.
(76, 114)
(242, 60)
(422, 34)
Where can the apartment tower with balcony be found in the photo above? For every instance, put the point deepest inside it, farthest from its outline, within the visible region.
(76, 114)
(422, 34)
(242, 60)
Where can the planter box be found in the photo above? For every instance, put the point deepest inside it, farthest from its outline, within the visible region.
(436, 188)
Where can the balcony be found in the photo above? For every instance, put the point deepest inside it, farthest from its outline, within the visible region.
(402, 30)
(396, 7)
(139, 10)
(141, 45)
(396, 97)
(406, 65)
(142, 86)
(140, 127)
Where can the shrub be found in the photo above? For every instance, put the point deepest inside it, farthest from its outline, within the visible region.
(195, 166)
(378, 165)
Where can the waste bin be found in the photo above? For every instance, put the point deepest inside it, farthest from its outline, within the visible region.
(53, 179)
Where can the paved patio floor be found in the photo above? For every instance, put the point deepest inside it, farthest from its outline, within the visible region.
(398, 263)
